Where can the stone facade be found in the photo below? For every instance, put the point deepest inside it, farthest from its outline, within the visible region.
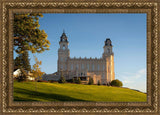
(100, 69)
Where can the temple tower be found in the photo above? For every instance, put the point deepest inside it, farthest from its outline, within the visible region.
(108, 56)
(63, 53)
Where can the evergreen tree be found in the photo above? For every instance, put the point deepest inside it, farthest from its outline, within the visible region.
(62, 79)
(79, 81)
(27, 35)
(26, 61)
(23, 61)
(73, 80)
(99, 83)
(23, 75)
(90, 81)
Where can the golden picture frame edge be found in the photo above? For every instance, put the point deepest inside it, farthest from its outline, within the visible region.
(9, 8)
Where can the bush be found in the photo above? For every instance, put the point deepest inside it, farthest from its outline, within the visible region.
(50, 81)
(116, 83)
(90, 81)
(99, 83)
(73, 80)
(69, 80)
(21, 78)
(43, 81)
(62, 80)
(109, 84)
(79, 81)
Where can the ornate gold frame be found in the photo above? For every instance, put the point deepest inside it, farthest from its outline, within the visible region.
(9, 7)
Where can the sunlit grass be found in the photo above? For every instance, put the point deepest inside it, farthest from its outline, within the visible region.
(26, 91)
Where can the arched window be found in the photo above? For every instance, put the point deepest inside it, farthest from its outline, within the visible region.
(108, 50)
(63, 47)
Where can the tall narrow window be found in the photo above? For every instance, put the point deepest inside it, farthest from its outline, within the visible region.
(103, 67)
(77, 66)
(61, 59)
(65, 67)
(88, 66)
(71, 66)
(108, 50)
(63, 47)
(98, 67)
(61, 67)
(92, 67)
(82, 66)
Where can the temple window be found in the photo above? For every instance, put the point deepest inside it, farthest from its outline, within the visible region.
(88, 66)
(82, 66)
(63, 47)
(98, 67)
(93, 67)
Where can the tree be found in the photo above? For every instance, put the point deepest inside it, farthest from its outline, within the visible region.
(36, 71)
(23, 75)
(116, 83)
(62, 79)
(27, 35)
(90, 81)
(99, 83)
(73, 80)
(79, 81)
(22, 61)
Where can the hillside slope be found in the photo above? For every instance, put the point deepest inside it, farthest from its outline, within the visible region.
(26, 91)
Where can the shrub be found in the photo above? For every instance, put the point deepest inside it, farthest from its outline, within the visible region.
(109, 84)
(23, 76)
(79, 81)
(50, 81)
(73, 80)
(116, 83)
(69, 80)
(90, 81)
(99, 83)
(62, 80)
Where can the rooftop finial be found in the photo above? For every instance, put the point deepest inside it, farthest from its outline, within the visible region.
(63, 31)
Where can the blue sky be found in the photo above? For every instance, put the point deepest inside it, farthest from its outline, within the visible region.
(86, 35)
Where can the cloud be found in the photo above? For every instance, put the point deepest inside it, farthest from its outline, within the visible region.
(140, 73)
(135, 80)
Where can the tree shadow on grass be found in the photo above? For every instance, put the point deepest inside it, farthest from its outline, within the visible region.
(36, 96)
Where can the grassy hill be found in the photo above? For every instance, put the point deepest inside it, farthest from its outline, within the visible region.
(25, 91)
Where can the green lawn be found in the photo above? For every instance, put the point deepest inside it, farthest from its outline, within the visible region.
(25, 91)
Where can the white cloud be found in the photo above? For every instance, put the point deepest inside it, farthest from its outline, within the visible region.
(135, 80)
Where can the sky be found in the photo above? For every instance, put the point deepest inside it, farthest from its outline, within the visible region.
(86, 35)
